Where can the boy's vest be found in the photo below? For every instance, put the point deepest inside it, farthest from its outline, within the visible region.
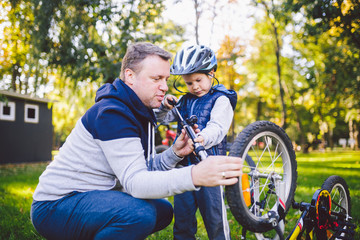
(201, 107)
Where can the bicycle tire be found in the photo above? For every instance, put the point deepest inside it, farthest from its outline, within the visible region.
(277, 158)
(339, 192)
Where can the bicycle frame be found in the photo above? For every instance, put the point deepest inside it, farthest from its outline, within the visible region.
(187, 125)
(316, 219)
(300, 228)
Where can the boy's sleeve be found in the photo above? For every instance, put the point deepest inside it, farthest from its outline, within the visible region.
(221, 117)
(164, 115)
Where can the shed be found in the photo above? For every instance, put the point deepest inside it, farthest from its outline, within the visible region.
(26, 130)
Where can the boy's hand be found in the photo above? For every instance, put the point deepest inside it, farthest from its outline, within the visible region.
(166, 103)
(199, 139)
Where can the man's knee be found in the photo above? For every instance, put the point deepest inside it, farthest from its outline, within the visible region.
(138, 223)
(164, 214)
(142, 217)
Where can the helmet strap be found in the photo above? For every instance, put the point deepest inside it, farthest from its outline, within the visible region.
(174, 84)
(213, 76)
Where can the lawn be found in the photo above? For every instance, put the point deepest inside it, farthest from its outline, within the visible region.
(17, 183)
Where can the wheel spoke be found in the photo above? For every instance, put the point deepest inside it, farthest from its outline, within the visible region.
(269, 158)
(268, 142)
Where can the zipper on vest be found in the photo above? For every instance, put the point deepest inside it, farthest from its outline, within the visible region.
(192, 107)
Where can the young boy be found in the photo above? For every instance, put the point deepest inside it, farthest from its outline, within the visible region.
(214, 107)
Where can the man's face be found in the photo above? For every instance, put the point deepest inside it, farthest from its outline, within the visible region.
(150, 82)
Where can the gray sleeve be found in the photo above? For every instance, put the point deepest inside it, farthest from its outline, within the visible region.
(221, 117)
(166, 160)
(164, 115)
(130, 168)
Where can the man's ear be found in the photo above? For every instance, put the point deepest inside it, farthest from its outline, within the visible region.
(129, 76)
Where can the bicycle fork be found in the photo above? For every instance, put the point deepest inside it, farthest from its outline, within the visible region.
(276, 215)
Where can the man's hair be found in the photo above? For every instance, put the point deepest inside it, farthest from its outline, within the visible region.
(137, 52)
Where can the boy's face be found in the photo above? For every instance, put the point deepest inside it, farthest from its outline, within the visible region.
(198, 84)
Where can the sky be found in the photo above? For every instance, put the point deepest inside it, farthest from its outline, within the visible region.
(234, 20)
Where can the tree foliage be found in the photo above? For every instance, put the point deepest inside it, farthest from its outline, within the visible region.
(319, 71)
(327, 37)
(16, 64)
(230, 51)
(81, 40)
(341, 18)
(65, 49)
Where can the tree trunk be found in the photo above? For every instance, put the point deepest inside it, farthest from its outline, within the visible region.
(299, 125)
(214, 8)
(352, 130)
(331, 136)
(284, 126)
(277, 53)
(14, 76)
(259, 109)
(197, 17)
(322, 145)
(356, 137)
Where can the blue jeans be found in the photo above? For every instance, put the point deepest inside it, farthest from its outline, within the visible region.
(100, 215)
(210, 202)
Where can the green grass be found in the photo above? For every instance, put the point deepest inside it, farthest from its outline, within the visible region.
(17, 184)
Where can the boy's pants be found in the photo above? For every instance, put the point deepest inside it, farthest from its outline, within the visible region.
(100, 215)
(210, 201)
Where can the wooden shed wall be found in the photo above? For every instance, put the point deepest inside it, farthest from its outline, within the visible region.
(26, 142)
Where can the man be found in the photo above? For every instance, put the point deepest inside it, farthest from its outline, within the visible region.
(106, 182)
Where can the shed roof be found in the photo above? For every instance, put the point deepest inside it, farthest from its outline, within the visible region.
(24, 96)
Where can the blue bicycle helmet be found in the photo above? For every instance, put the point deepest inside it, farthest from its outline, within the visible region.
(194, 59)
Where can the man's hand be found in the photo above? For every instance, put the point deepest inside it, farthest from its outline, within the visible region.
(184, 145)
(217, 170)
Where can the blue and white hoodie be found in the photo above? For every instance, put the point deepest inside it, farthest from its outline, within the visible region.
(112, 147)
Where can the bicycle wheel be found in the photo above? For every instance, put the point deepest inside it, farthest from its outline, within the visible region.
(341, 228)
(340, 195)
(270, 171)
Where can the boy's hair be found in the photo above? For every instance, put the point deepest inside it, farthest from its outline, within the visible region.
(137, 52)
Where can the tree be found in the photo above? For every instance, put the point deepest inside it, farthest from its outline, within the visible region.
(273, 15)
(263, 67)
(79, 39)
(92, 36)
(352, 117)
(72, 47)
(18, 66)
(338, 17)
(262, 80)
(327, 37)
(228, 54)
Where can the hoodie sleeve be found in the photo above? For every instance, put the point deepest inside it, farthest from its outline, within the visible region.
(120, 142)
(129, 167)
